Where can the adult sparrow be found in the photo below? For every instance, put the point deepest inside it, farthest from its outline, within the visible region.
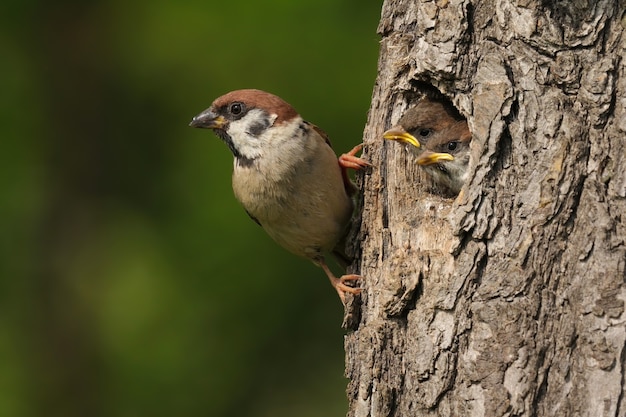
(286, 175)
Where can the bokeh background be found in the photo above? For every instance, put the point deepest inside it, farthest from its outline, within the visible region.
(131, 282)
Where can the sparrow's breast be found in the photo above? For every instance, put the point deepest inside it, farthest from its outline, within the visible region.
(305, 209)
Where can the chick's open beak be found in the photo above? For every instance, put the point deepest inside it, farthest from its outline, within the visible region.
(429, 158)
(208, 120)
(398, 133)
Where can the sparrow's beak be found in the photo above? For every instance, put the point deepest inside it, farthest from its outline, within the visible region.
(398, 133)
(208, 120)
(429, 158)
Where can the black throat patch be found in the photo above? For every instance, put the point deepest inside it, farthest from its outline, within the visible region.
(242, 161)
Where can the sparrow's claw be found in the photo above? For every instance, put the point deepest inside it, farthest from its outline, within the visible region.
(342, 288)
(350, 160)
(340, 283)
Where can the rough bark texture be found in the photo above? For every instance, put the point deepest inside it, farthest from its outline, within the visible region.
(509, 299)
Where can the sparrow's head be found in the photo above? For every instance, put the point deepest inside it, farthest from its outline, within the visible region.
(248, 121)
(446, 156)
(422, 121)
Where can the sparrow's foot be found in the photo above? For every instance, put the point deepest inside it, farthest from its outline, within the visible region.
(342, 288)
(350, 160)
(340, 283)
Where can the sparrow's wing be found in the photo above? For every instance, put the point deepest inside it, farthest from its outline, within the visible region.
(320, 132)
(353, 161)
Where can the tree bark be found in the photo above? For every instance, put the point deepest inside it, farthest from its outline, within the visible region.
(509, 299)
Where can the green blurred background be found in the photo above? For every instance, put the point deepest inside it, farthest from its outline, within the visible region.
(131, 282)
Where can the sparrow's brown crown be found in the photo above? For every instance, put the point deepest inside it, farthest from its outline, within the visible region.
(254, 99)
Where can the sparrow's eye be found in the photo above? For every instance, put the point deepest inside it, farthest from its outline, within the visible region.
(425, 132)
(236, 108)
(452, 145)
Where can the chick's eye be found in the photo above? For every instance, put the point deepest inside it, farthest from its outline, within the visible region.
(236, 108)
(452, 145)
(424, 132)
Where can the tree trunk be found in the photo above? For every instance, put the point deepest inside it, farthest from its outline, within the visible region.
(509, 299)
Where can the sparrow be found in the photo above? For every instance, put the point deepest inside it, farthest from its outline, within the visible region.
(446, 156)
(419, 123)
(440, 138)
(286, 175)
